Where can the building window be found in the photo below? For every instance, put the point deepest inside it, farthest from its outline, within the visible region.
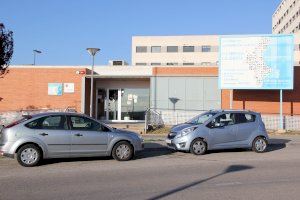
(206, 48)
(141, 49)
(188, 49)
(156, 64)
(117, 62)
(172, 63)
(172, 49)
(141, 64)
(188, 63)
(206, 63)
(155, 49)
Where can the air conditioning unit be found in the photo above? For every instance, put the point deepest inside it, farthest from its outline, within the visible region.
(117, 63)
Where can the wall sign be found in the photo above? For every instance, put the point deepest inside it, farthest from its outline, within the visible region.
(69, 88)
(55, 89)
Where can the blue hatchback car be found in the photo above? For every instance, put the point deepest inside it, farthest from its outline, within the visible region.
(220, 129)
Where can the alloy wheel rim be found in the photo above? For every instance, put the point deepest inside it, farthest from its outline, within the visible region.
(123, 151)
(260, 145)
(29, 156)
(199, 147)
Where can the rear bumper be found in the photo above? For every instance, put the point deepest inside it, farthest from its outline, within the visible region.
(7, 154)
(6, 149)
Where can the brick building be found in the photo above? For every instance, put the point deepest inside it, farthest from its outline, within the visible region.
(126, 92)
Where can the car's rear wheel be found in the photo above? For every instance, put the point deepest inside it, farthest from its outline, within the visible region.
(122, 151)
(198, 147)
(259, 145)
(29, 155)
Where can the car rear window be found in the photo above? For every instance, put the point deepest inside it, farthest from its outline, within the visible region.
(244, 118)
(23, 119)
(56, 122)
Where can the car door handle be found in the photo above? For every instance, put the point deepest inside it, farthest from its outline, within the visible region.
(78, 135)
(43, 134)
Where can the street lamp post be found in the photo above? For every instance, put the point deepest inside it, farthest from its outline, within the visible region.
(92, 52)
(34, 55)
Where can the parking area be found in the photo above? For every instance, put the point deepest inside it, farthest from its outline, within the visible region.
(159, 173)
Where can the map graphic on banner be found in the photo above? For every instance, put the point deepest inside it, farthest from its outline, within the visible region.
(256, 62)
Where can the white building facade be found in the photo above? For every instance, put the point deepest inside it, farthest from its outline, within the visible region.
(286, 18)
(188, 50)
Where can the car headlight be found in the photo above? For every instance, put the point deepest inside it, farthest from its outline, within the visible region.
(186, 131)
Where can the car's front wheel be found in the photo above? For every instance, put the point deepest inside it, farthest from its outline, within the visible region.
(198, 147)
(29, 155)
(122, 151)
(259, 145)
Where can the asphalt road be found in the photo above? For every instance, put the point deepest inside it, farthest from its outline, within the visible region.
(161, 174)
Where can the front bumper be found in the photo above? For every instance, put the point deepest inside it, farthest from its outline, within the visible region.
(180, 144)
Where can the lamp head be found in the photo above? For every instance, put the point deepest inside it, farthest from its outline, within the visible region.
(92, 51)
(37, 51)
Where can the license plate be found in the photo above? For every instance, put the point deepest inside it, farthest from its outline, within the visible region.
(168, 141)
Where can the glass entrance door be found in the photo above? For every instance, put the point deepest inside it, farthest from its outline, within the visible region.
(112, 104)
(122, 104)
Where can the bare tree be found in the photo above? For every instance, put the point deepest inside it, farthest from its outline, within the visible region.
(6, 48)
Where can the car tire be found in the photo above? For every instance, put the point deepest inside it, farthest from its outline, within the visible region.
(122, 151)
(198, 147)
(259, 145)
(29, 155)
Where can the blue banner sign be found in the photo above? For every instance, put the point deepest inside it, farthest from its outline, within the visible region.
(256, 62)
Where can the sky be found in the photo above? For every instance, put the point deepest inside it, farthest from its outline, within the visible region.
(63, 29)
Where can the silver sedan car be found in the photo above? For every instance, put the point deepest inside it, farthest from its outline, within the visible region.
(64, 135)
(220, 129)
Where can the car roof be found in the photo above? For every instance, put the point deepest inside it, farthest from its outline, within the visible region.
(233, 111)
(56, 113)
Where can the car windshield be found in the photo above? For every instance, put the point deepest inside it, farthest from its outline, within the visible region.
(200, 119)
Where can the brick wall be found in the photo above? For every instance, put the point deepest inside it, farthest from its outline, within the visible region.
(23, 88)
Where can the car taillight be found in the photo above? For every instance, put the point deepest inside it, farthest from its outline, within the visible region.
(12, 124)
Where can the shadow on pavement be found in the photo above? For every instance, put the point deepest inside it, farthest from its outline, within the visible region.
(274, 145)
(62, 160)
(151, 149)
(277, 144)
(230, 169)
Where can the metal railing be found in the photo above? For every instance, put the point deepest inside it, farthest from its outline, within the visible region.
(153, 119)
(160, 117)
